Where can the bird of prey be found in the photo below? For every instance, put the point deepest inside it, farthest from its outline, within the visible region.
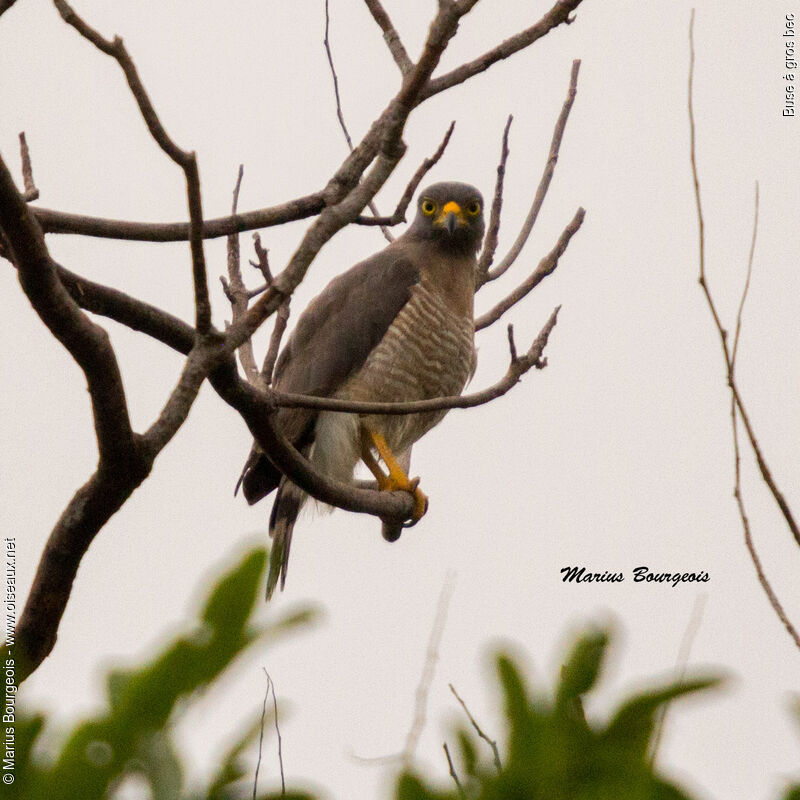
(396, 327)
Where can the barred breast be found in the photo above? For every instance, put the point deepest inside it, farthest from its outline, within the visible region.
(428, 351)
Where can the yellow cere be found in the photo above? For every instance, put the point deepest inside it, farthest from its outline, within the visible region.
(451, 206)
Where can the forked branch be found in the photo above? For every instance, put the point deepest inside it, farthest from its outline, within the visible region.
(729, 356)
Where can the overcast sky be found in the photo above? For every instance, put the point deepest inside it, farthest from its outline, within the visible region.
(617, 455)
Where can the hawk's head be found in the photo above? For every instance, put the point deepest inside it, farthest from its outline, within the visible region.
(450, 214)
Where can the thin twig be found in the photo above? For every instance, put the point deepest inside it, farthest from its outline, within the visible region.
(512, 347)
(261, 740)
(236, 291)
(736, 401)
(281, 319)
(746, 289)
(490, 242)
(262, 254)
(417, 90)
(277, 732)
(491, 742)
(681, 664)
(186, 160)
(453, 772)
(737, 492)
(31, 192)
(270, 685)
(340, 114)
(428, 671)
(545, 267)
(399, 214)
(559, 14)
(544, 182)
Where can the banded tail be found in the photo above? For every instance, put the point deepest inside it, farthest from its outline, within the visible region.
(288, 502)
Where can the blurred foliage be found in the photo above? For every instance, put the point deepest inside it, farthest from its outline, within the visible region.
(552, 752)
(549, 750)
(132, 737)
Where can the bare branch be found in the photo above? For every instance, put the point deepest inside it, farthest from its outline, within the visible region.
(453, 772)
(202, 359)
(558, 14)
(263, 259)
(746, 288)
(347, 193)
(399, 214)
(546, 266)
(202, 303)
(128, 311)
(736, 401)
(122, 465)
(309, 205)
(512, 346)
(116, 49)
(86, 513)
(80, 224)
(261, 737)
(5, 5)
(737, 491)
(766, 474)
(428, 671)
(235, 289)
(86, 342)
(257, 411)
(491, 742)
(31, 192)
(281, 319)
(270, 685)
(490, 242)
(340, 114)
(681, 664)
(544, 182)
(187, 161)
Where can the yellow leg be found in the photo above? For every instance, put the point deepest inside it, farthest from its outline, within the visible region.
(397, 480)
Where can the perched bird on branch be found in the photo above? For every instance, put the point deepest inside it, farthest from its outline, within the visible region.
(396, 327)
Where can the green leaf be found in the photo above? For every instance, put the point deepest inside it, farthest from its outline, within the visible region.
(633, 723)
(158, 762)
(514, 691)
(410, 787)
(469, 754)
(581, 669)
(233, 598)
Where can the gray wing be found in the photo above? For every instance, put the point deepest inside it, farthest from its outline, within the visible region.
(331, 341)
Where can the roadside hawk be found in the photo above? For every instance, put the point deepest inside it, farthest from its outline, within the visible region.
(393, 328)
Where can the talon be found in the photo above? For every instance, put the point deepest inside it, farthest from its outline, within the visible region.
(396, 480)
(420, 505)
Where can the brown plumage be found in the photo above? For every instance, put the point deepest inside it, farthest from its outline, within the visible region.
(395, 327)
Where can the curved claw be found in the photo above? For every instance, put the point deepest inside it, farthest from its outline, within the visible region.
(421, 503)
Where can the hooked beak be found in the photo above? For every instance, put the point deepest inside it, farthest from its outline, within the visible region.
(452, 217)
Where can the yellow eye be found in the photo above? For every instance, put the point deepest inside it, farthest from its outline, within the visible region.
(428, 207)
(474, 208)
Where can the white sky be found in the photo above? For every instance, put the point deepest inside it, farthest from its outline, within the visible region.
(615, 456)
